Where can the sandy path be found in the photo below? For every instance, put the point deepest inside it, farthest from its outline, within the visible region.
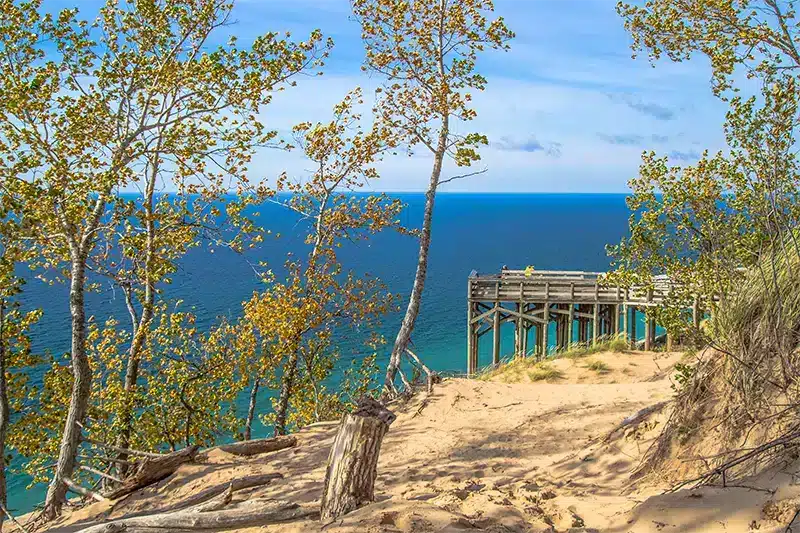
(492, 456)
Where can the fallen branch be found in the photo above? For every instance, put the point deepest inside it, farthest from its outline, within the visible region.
(249, 514)
(77, 489)
(153, 470)
(234, 485)
(256, 446)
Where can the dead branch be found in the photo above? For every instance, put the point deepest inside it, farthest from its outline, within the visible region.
(432, 377)
(721, 470)
(121, 450)
(636, 418)
(462, 176)
(77, 489)
(99, 473)
(248, 514)
(247, 482)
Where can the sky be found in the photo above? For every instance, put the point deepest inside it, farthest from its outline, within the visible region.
(567, 109)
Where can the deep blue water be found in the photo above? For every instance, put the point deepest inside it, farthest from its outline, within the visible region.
(471, 231)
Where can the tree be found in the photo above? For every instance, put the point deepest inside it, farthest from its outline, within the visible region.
(81, 118)
(702, 224)
(299, 317)
(725, 229)
(760, 36)
(15, 347)
(427, 52)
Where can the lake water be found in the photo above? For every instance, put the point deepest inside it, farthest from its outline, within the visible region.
(471, 231)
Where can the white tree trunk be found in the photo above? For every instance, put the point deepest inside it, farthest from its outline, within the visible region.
(414, 301)
(81, 388)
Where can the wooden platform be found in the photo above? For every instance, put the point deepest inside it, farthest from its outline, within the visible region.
(583, 309)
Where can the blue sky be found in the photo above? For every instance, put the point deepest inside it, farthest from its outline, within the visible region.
(566, 110)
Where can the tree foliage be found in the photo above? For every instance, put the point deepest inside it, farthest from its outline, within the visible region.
(298, 318)
(703, 224)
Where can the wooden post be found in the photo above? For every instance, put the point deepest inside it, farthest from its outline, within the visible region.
(353, 461)
(571, 325)
(496, 335)
(596, 324)
(669, 341)
(471, 365)
(633, 327)
(615, 330)
(545, 329)
(647, 338)
(518, 334)
(651, 330)
(696, 313)
(625, 322)
(525, 329)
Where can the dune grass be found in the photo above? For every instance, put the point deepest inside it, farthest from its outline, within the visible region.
(513, 369)
(598, 366)
(544, 371)
(608, 344)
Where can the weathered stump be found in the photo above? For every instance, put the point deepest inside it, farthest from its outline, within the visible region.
(353, 461)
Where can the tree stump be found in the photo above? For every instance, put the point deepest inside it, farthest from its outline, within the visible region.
(353, 461)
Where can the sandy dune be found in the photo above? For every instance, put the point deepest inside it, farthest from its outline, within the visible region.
(493, 456)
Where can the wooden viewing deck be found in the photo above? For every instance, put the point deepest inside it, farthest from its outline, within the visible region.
(581, 307)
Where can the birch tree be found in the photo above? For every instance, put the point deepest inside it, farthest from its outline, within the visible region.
(298, 316)
(427, 51)
(87, 106)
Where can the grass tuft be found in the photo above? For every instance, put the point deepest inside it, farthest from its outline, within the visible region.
(544, 371)
(616, 344)
(598, 366)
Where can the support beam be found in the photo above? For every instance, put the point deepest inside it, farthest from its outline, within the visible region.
(496, 336)
(596, 324)
(625, 330)
(571, 325)
(633, 327)
(545, 330)
(615, 329)
(472, 342)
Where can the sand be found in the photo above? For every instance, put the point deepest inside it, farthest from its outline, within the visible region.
(496, 456)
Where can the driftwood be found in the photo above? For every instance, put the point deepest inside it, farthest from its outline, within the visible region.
(257, 446)
(209, 515)
(152, 470)
(353, 461)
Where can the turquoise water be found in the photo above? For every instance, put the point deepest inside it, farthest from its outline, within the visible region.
(471, 231)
